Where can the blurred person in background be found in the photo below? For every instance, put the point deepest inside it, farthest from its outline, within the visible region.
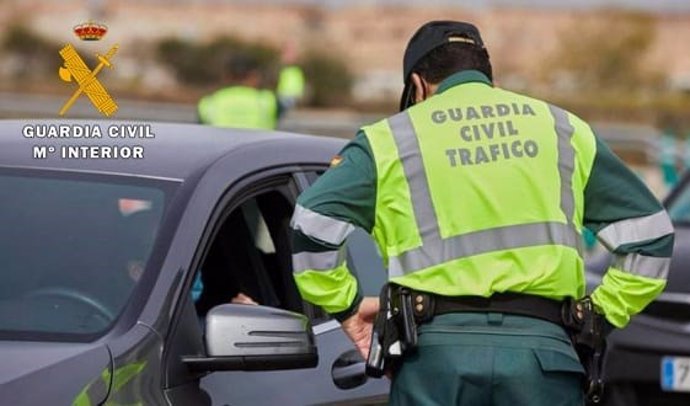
(242, 103)
(291, 82)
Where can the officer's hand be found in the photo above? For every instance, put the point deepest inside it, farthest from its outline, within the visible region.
(359, 326)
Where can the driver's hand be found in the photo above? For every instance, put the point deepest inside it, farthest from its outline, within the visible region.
(241, 298)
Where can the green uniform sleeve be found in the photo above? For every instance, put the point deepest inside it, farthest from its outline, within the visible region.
(341, 199)
(631, 223)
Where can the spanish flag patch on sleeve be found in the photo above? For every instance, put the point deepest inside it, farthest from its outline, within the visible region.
(336, 160)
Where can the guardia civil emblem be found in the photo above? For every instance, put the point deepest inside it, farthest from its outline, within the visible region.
(74, 69)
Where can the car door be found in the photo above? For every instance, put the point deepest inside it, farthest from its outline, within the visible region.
(252, 236)
(342, 364)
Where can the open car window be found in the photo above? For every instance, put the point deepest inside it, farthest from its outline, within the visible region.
(249, 260)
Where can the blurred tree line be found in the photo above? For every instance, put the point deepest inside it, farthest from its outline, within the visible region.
(196, 66)
(33, 54)
(609, 53)
(603, 67)
(30, 58)
(329, 79)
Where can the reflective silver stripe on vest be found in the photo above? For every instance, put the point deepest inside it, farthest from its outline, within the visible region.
(566, 160)
(436, 250)
(413, 167)
(320, 227)
(318, 261)
(634, 230)
(650, 267)
(481, 242)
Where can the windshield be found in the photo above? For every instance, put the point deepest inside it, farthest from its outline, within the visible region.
(679, 208)
(72, 250)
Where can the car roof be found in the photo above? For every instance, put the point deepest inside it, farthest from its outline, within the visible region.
(175, 152)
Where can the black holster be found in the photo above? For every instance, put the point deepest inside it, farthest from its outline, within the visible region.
(394, 333)
(588, 330)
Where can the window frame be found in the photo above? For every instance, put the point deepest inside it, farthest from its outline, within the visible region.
(283, 183)
(184, 335)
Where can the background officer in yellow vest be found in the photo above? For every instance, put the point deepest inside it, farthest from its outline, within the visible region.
(478, 196)
(291, 82)
(243, 104)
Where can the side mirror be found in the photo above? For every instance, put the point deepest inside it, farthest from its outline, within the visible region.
(255, 338)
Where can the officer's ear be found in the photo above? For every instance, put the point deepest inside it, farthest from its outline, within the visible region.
(420, 88)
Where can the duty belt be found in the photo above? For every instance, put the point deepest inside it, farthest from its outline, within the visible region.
(428, 305)
(402, 309)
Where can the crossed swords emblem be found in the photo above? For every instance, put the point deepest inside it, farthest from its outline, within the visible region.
(75, 68)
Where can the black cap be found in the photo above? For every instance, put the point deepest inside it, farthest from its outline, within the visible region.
(429, 37)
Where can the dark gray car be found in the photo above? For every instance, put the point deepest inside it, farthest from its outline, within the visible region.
(648, 362)
(119, 272)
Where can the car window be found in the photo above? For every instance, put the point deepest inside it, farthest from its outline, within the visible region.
(72, 251)
(249, 260)
(679, 210)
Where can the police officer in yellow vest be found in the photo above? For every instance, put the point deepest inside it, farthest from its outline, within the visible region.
(244, 104)
(291, 82)
(290, 85)
(477, 198)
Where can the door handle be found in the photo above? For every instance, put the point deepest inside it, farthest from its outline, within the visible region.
(348, 370)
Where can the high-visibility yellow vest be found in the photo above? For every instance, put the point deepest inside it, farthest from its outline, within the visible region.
(240, 107)
(480, 190)
(291, 82)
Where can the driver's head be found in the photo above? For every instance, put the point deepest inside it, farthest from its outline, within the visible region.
(137, 235)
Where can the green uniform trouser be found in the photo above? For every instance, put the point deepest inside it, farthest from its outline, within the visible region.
(490, 359)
